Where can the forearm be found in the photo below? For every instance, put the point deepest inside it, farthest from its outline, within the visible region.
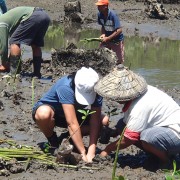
(115, 34)
(75, 133)
(94, 131)
(113, 146)
(102, 31)
(73, 127)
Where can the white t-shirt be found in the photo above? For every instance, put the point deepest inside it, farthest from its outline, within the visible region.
(154, 108)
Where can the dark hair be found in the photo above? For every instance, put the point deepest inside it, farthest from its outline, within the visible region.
(72, 76)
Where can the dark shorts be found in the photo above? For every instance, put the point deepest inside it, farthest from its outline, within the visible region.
(60, 120)
(32, 31)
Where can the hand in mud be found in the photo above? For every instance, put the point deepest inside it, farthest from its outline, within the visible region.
(84, 157)
(90, 157)
(103, 153)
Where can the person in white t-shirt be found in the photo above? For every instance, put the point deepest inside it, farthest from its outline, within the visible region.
(151, 117)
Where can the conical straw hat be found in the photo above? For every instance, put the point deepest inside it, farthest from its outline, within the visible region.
(121, 85)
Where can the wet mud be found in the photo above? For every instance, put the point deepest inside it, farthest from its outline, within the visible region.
(17, 96)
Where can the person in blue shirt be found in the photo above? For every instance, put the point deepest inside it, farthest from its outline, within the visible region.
(111, 30)
(59, 107)
(3, 7)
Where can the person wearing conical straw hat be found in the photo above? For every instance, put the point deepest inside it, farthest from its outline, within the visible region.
(111, 29)
(151, 117)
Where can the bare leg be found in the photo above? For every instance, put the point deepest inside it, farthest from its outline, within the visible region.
(15, 50)
(44, 120)
(36, 51)
(163, 156)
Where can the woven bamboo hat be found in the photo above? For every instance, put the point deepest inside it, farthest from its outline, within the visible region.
(121, 85)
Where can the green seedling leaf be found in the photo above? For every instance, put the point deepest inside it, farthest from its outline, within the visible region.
(113, 114)
(82, 111)
(85, 113)
(174, 167)
(177, 173)
(83, 117)
(92, 112)
(91, 40)
(169, 177)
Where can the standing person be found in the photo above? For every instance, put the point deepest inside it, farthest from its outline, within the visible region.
(111, 30)
(58, 107)
(151, 117)
(3, 7)
(24, 25)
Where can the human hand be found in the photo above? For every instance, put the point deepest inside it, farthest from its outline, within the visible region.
(90, 157)
(84, 157)
(103, 153)
(105, 39)
(102, 36)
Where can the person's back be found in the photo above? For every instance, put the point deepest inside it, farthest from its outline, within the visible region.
(154, 108)
(15, 16)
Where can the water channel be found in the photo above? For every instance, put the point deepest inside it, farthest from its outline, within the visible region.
(156, 59)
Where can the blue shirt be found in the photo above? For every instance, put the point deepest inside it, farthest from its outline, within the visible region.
(110, 24)
(63, 92)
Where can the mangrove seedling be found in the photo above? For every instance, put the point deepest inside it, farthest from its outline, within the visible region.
(85, 115)
(87, 40)
(175, 174)
(120, 177)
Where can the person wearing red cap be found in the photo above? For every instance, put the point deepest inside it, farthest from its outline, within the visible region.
(112, 36)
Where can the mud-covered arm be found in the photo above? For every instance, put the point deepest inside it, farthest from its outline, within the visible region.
(95, 123)
(74, 128)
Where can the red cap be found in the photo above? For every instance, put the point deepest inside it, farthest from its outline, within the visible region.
(102, 2)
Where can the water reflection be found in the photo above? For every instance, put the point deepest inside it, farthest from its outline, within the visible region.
(158, 60)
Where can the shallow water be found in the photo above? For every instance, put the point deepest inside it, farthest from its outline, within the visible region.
(157, 59)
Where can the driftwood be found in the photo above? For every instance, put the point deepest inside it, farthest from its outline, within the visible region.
(67, 61)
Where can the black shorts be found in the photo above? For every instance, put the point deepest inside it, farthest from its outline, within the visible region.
(32, 31)
(60, 120)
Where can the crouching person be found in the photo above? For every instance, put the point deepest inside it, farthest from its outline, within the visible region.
(24, 25)
(151, 117)
(59, 107)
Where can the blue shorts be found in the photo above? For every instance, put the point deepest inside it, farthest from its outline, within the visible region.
(32, 31)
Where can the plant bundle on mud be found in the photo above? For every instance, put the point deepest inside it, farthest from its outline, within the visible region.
(20, 156)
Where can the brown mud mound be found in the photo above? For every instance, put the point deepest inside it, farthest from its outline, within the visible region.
(69, 60)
